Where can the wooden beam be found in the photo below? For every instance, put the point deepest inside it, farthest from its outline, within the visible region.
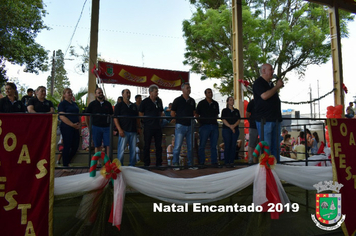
(237, 53)
(93, 50)
(346, 5)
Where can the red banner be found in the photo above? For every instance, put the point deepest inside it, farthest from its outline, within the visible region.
(343, 148)
(27, 156)
(143, 77)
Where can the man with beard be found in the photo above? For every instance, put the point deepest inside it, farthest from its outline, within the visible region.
(100, 124)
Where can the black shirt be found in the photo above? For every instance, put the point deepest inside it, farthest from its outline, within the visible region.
(39, 106)
(251, 108)
(204, 109)
(183, 108)
(97, 107)
(231, 116)
(25, 100)
(122, 109)
(150, 108)
(6, 106)
(269, 109)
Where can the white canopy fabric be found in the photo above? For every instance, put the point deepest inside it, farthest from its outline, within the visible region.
(202, 189)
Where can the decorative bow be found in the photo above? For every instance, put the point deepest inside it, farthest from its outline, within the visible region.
(344, 87)
(267, 160)
(110, 170)
(244, 82)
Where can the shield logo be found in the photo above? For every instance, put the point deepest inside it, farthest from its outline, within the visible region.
(328, 207)
(109, 70)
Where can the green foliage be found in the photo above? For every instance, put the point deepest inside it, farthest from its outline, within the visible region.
(289, 34)
(61, 80)
(84, 66)
(20, 23)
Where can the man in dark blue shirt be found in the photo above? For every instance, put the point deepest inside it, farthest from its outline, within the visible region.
(268, 108)
(152, 107)
(208, 108)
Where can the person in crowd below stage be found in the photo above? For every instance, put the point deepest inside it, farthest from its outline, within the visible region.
(128, 127)
(10, 103)
(286, 146)
(70, 126)
(314, 143)
(350, 113)
(208, 108)
(253, 133)
(40, 103)
(300, 151)
(308, 139)
(170, 148)
(85, 134)
(100, 124)
(183, 106)
(25, 99)
(230, 130)
(152, 106)
(138, 100)
(284, 132)
(268, 108)
(300, 138)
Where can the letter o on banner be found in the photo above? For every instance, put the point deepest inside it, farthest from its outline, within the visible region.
(11, 147)
(343, 129)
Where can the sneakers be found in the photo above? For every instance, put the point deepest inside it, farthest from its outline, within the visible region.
(192, 168)
(176, 167)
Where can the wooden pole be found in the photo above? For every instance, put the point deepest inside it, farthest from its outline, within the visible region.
(93, 54)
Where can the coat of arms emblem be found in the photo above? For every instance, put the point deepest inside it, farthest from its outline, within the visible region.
(328, 206)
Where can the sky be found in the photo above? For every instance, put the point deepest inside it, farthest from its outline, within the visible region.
(149, 34)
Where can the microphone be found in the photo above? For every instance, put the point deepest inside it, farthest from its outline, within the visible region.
(275, 76)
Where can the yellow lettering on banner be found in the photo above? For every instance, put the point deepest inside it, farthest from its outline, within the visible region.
(352, 139)
(6, 142)
(24, 155)
(43, 170)
(23, 208)
(30, 231)
(342, 161)
(334, 122)
(2, 186)
(337, 148)
(12, 202)
(354, 176)
(343, 129)
(348, 172)
(0, 127)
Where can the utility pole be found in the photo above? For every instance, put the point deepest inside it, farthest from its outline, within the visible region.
(311, 105)
(318, 99)
(53, 72)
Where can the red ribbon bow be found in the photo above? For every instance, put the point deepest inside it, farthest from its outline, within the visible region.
(244, 82)
(344, 88)
(267, 161)
(111, 171)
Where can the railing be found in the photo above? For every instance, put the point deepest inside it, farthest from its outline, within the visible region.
(194, 128)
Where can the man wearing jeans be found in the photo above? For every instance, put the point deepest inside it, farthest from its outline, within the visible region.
(101, 124)
(127, 127)
(208, 108)
(183, 106)
(268, 108)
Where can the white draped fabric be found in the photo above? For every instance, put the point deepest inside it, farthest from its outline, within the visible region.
(313, 161)
(202, 189)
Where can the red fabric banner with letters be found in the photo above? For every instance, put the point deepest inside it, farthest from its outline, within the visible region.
(27, 155)
(342, 133)
(139, 76)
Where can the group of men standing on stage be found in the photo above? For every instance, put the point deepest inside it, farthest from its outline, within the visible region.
(267, 109)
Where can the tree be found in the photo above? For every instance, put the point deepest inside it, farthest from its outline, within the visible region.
(84, 66)
(61, 80)
(289, 34)
(20, 23)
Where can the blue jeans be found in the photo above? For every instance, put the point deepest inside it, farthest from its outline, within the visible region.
(130, 137)
(101, 134)
(230, 140)
(205, 132)
(272, 132)
(182, 131)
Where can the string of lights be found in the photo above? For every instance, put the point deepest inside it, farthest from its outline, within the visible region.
(308, 102)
